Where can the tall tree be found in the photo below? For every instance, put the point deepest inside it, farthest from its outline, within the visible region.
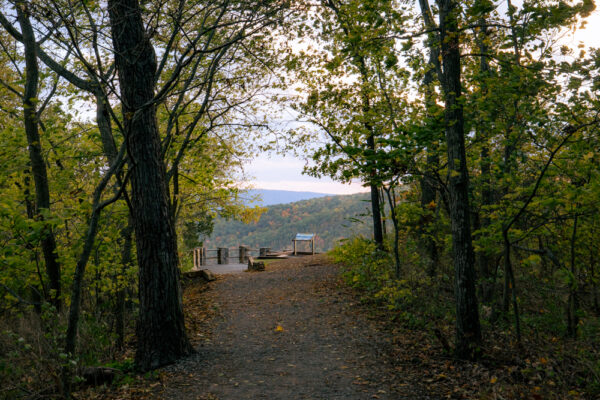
(468, 330)
(38, 164)
(196, 79)
(161, 330)
(428, 181)
(347, 101)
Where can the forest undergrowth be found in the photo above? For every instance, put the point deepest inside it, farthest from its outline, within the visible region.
(418, 311)
(415, 316)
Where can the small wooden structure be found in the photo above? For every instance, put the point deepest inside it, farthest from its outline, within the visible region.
(199, 257)
(305, 237)
(255, 265)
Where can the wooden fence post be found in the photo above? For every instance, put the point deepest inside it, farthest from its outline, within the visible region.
(223, 255)
(198, 255)
(243, 254)
(262, 252)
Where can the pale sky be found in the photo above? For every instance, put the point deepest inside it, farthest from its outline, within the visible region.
(285, 173)
(590, 36)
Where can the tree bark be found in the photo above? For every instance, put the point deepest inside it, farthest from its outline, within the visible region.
(428, 187)
(510, 286)
(429, 205)
(468, 331)
(484, 260)
(573, 304)
(510, 144)
(103, 120)
(38, 166)
(391, 195)
(377, 225)
(161, 336)
(126, 234)
(375, 200)
(382, 211)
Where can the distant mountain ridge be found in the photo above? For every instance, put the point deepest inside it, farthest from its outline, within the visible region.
(272, 197)
(331, 218)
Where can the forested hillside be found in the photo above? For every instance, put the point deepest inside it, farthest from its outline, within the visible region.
(332, 218)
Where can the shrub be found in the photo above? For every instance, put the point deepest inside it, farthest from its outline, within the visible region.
(371, 272)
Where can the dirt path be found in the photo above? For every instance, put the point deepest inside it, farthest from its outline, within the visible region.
(287, 333)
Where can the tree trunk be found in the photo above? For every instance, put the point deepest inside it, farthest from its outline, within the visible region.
(382, 211)
(126, 234)
(377, 226)
(161, 336)
(359, 61)
(507, 271)
(38, 166)
(510, 290)
(370, 131)
(573, 304)
(468, 331)
(103, 120)
(391, 195)
(429, 205)
(484, 260)
(174, 203)
(428, 187)
(594, 293)
(375, 201)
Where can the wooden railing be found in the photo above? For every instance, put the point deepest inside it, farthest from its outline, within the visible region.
(223, 255)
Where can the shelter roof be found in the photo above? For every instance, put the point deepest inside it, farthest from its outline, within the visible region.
(304, 236)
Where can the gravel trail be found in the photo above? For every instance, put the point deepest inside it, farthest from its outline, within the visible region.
(290, 332)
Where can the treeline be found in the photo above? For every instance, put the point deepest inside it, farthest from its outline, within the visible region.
(331, 218)
(120, 123)
(491, 122)
(475, 107)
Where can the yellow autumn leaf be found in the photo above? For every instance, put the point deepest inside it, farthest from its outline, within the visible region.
(494, 379)
(279, 328)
